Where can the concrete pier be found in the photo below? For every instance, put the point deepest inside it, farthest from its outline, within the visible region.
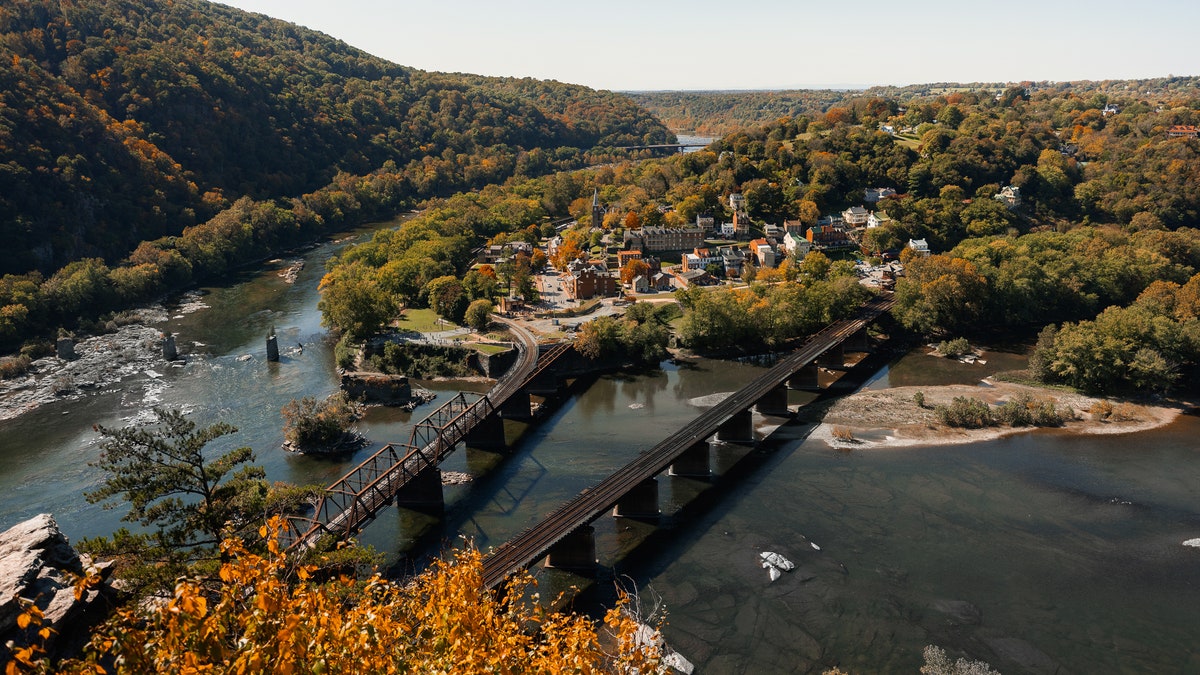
(737, 429)
(576, 552)
(423, 492)
(488, 434)
(860, 341)
(774, 403)
(517, 407)
(834, 357)
(640, 503)
(693, 463)
(806, 379)
(169, 351)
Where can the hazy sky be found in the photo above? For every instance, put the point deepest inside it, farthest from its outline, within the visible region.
(765, 44)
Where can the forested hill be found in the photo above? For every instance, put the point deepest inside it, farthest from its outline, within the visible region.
(126, 120)
(717, 113)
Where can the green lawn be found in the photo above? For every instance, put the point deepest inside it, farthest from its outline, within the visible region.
(422, 321)
(490, 349)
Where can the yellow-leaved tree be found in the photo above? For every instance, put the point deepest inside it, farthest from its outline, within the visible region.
(266, 616)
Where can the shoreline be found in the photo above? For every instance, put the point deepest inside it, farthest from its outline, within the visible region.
(888, 418)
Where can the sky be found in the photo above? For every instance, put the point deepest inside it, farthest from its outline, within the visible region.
(631, 45)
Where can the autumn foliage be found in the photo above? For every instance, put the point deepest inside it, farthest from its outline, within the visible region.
(264, 615)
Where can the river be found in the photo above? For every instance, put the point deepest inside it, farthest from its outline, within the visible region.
(1033, 552)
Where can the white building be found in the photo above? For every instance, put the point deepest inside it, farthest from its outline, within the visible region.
(919, 245)
(855, 216)
(796, 245)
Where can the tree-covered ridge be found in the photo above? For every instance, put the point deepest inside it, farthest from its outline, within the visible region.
(724, 112)
(131, 119)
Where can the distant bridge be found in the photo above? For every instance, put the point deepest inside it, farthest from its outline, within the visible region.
(566, 534)
(663, 146)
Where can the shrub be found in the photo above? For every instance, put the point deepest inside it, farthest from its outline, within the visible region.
(345, 352)
(919, 399)
(967, 413)
(262, 614)
(954, 348)
(13, 366)
(843, 434)
(1101, 410)
(309, 424)
(1125, 412)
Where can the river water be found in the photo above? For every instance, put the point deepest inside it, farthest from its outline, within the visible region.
(1036, 552)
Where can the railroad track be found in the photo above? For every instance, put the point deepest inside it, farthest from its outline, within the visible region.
(536, 541)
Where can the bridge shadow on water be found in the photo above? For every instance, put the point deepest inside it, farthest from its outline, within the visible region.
(644, 550)
(492, 488)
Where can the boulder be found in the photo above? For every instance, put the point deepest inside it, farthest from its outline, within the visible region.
(38, 563)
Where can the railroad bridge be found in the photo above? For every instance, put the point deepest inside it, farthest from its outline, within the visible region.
(408, 474)
(565, 537)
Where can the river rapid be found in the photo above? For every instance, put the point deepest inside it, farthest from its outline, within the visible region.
(1037, 552)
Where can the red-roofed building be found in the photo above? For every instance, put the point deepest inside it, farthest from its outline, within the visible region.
(1183, 131)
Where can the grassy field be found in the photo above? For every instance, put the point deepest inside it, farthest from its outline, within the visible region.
(422, 321)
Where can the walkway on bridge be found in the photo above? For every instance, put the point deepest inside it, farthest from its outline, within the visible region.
(537, 541)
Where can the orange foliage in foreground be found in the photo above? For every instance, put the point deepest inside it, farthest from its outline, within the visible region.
(445, 621)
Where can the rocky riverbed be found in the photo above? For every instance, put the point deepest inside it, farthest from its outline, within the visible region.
(102, 360)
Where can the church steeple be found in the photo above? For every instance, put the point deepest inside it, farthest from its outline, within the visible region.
(597, 210)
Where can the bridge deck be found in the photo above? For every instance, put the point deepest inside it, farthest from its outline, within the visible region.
(536, 541)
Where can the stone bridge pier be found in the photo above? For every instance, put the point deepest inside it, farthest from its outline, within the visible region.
(576, 552)
(693, 462)
(423, 492)
(641, 503)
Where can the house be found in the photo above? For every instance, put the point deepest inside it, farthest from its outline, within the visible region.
(624, 256)
(732, 260)
(1010, 196)
(773, 231)
(727, 231)
(855, 216)
(831, 220)
(699, 259)
(497, 252)
(585, 280)
(640, 284)
(872, 195)
(919, 245)
(1183, 131)
(794, 226)
(692, 278)
(506, 305)
(1110, 109)
(796, 246)
(763, 252)
(656, 239)
(878, 218)
(737, 202)
(828, 236)
(661, 281)
(741, 225)
(705, 221)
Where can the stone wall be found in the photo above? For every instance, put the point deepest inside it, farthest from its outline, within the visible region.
(377, 388)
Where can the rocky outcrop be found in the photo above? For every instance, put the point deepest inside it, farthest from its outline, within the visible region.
(37, 563)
